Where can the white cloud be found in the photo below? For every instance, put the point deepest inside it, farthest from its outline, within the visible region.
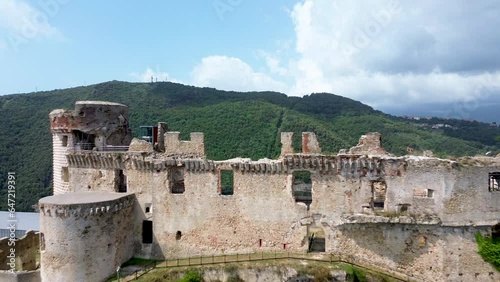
(21, 21)
(390, 52)
(386, 53)
(230, 73)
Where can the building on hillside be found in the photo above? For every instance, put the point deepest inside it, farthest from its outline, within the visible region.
(115, 198)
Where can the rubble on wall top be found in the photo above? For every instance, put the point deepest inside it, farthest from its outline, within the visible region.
(369, 144)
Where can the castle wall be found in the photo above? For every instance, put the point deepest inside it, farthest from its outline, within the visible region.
(91, 125)
(85, 236)
(469, 200)
(193, 148)
(425, 252)
(211, 223)
(412, 215)
(59, 152)
(25, 252)
(22, 276)
(87, 179)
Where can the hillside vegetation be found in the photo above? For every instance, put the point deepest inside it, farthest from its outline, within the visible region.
(235, 124)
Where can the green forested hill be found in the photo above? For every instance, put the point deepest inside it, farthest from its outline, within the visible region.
(235, 124)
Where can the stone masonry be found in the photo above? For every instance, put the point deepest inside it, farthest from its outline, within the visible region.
(411, 215)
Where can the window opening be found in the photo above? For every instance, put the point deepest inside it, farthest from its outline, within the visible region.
(148, 208)
(494, 181)
(379, 190)
(302, 187)
(227, 182)
(147, 232)
(120, 181)
(65, 141)
(83, 141)
(177, 181)
(65, 174)
(316, 240)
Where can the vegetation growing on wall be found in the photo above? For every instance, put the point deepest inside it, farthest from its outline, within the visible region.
(489, 249)
(191, 276)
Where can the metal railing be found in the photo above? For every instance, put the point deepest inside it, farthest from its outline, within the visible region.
(91, 147)
(263, 256)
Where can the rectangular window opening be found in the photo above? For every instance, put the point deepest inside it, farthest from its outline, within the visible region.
(65, 141)
(83, 141)
(120, 181)
(423, 193)
(494, 181)
(379, 190)
(65, 174)
(177, 181)
(430, 193)
(147, 232)
(227, 182)
(302, 187)
(148, 208)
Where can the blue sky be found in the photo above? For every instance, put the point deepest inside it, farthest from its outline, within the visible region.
(389, 54)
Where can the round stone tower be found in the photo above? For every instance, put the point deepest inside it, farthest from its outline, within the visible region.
(85, 236)
(92, 125)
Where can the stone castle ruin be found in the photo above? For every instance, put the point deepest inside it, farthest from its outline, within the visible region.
(115, 198)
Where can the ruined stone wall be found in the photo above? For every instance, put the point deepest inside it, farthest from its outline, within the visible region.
(85, 236)
(87, 179)
(22, 276)
(395, 212)
(25, 252)
(425, 252)
(107, 121)
(469, 200)
(193, 148)
(141, 183)
(211, 223)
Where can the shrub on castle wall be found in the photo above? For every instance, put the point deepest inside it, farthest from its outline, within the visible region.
(489, 249)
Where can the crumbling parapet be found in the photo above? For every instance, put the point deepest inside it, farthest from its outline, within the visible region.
(369, 144)
(92, 125)
(162, 129)
(286, 143)
(138, 145)
(24, 257)
(310, 144)
(194, 148)
(95, 122)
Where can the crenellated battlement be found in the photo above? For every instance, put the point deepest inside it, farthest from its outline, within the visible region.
(84, 204)
(174, 146)
(163, 198)
(352, 165)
